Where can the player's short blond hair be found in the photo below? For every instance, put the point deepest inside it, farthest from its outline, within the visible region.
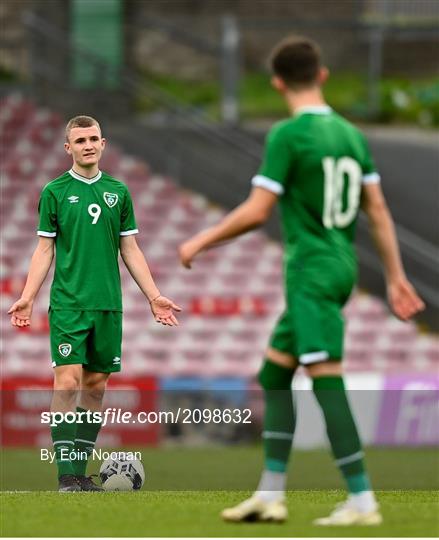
(81, 121)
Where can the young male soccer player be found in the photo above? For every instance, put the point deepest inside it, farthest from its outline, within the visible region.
(318, 166)
(88, 217)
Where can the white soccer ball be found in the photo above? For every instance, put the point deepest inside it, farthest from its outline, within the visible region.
(122, 474)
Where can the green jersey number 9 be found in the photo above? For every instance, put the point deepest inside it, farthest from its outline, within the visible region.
(335, 171)
(95, 211)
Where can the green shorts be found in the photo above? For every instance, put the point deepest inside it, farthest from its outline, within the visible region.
(90, 338)
(317, 287)
(311, 329)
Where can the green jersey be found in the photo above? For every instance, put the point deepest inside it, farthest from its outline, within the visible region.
(86, 217)
(316, 162)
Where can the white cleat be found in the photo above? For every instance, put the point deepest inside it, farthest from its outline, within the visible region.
(345, 515)
(255, 509)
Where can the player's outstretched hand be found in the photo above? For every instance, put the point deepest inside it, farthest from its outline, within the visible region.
(404, 300)
(163, 310)
(21, 312)
(187, 252)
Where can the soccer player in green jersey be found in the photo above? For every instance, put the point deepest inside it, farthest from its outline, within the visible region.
(318, 167)
(87, 217)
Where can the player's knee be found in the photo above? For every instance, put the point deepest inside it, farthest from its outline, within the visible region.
(95, 392)
(325, 369)
(94, 387)
(273, 376)
(67, 383)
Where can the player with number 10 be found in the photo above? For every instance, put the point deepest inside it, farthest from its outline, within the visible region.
(88, 218)
(318, 167)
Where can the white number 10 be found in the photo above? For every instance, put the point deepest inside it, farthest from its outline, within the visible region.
(335, 171)
(95, 211)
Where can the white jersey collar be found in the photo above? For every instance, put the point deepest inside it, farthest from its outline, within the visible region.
(313, 109)
(84, 178)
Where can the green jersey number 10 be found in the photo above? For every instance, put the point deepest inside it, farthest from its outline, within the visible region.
(335, 172)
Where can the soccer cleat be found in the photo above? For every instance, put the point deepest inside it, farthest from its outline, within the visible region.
(67, 483)
(86, 483)
(344, 515)
(255, 509)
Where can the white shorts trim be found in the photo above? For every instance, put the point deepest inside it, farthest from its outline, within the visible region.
(46, 234)
(267, 183)
(311, 358)
(128, 233)
(83, 440)
(372, 178)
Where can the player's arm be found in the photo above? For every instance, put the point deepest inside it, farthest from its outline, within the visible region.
(41, 261)
(161, 307)
(252, 213)
(403, 299)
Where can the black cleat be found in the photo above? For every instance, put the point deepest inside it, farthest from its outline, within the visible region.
(68, 482)
(86, 483)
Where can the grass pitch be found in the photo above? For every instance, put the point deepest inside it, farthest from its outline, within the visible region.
(180, 513)
(186, 489)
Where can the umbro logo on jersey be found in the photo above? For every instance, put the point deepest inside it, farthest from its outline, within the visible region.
(65, 349)
(116, 360)
(111, 199)
(73, 198)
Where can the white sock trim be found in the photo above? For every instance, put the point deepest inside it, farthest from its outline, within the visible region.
(62, 442)
(277, 435)
(350, 459)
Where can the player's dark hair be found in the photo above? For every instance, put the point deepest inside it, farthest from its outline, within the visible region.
(296, 60)
(81, 121)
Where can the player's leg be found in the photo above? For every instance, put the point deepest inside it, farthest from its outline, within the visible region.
(103, 358)
(329, 389)
(66, 385)
(68, 333)
(275, 377)
(88, 426)
(318, 326)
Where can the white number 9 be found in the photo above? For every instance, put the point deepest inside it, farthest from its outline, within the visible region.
(95, 211)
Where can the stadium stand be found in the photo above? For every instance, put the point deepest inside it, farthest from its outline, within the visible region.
(230, 299)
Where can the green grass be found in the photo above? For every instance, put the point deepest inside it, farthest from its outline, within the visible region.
(186, 488)
(221, 468)
(402, 100)
(406, 514)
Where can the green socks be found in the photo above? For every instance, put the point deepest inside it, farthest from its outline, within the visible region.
(85, 439)
(342, 431)
(63, 436)
(279, 418)
(74, 440)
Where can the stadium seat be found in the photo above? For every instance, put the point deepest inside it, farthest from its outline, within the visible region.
(231, 298)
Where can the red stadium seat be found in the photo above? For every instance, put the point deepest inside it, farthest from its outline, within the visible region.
(231, 298)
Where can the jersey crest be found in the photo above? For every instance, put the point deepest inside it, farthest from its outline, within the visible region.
(111, 199)
(65, 349)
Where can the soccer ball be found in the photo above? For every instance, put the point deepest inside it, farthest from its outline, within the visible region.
(121, 474)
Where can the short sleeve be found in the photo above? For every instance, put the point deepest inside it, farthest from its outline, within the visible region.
(370, 173)
(276, 165)
(128, 224)
(47, 210)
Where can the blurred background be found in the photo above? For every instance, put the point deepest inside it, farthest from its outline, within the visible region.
(182, 92)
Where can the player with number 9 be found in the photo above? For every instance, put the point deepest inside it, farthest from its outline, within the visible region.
(318, 167)
(88, 216)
